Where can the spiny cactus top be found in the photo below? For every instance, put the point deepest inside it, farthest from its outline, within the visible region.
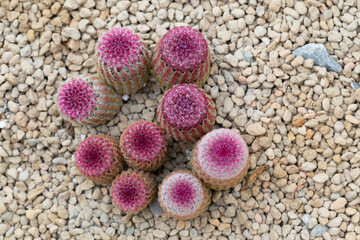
(183, 196)
(186, 112)
(182, 56)
(184, 48)
(220, 158)
(122, 60)
(87, 100)
(119, 47)
(98, 158)
(133, 190)
(76, 99)
(143, 145)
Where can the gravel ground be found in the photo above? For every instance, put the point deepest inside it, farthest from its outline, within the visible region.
(296, 117)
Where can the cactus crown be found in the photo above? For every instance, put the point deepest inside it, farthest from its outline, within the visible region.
(93, 156)
(129, 192)
(222, 153)
(76, 99)
(143, 141)
(184, 106)
(184, 48)
(119, 47)
(181, 193)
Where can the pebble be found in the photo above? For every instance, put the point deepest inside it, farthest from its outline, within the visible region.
(255, 129)
(155, 208)
(71, 32)
(320, 55)
(321, 178)
(275, 5)
(319, 230)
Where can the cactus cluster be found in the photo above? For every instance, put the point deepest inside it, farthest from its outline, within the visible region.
(181, 61)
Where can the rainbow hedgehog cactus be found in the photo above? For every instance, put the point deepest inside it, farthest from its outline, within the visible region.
(183, 196)
(98, 158)
(133, 190)
(122, 60)
(181, 56)
(143, 145)
(220, 159)
(87, 100)
(186, 112)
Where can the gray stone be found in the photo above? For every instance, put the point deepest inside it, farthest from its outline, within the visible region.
(248, 56)
(320, 55)
(129, 231)
(306, 218)
(155, 208)
(354, 85)
(319, 230)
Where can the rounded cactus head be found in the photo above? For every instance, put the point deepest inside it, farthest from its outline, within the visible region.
(183, 196)
(133, 190)
(119, 47)
(184, 48)
(186, 112)
(76, 99)
(98, 158)
(143, 145)
(220, 158)
(184, 106)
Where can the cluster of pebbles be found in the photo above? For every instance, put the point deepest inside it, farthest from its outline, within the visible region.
(298, 116)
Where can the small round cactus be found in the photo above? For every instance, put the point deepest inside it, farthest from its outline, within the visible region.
(186, 112)
(183, 196)
(122, 60)
(143, 145)
(87, 100)
(133, 190)
(220, 159)
(98, 158)
(181, 56)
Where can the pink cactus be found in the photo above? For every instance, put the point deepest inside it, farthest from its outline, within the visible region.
(122, 60)
(183, 196)
(220, 159)
(143, 145)
(182, 56)
(133, 190)
(186, 112)
(87, 100)
(98, 158)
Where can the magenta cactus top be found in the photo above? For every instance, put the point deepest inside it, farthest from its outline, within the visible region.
(119, 47)
(129, 192)
(184, 106)
(181, 194)
(94, 156)
(76, 99)
(184, 48)
(143, 141)
(222, 154)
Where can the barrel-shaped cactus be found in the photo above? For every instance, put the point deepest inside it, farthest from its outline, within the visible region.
(181, 56)
(186, 112)
(122, 60)
(183, 196)
(98, 158)
(143, 145)
(220, 159)
(133, 190)
(87, 100)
